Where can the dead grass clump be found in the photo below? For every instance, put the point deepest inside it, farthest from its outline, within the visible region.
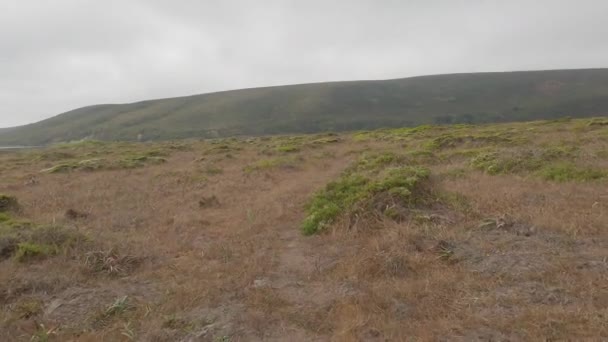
(209, 202)
(72, 214)
(597, 122)
(103, 318)
(140, 161)
(8, 203)
(111, 262)
(27, 308)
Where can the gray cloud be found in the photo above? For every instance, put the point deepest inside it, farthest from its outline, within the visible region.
(63, 54)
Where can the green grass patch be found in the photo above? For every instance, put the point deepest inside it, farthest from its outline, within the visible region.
(517, 161)
(26, 241)
(27, 251)
(375, 161)
(95, 164)
(289, 148)
(565, 172)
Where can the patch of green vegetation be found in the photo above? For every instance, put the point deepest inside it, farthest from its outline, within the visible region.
(564, 172)
(364, 136)
(351, 190)
(128, 162)
(397, 134)
(375, 161)
(27, 251)
(452, 140)
(26, 241)
(521, 160)
(288, 148)
(421, 156)
(328, 204)
(507, 161)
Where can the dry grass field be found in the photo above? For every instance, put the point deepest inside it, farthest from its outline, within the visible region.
(449, 233)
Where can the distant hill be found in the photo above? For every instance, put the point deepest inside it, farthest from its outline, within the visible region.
(334, 106)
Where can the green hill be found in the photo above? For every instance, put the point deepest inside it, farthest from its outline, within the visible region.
(334, 106)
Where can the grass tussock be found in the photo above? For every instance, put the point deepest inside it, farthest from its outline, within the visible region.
(25, 241)
(111, 262)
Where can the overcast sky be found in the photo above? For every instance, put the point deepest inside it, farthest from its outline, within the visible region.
(64, 54)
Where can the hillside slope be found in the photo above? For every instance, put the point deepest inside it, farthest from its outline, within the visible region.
(336, 106)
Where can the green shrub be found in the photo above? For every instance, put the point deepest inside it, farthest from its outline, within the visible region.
(329, 203)
(351, 190)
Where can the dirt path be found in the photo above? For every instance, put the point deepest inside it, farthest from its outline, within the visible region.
(262, 267)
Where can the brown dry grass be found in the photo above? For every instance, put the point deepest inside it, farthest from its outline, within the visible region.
(240, 270)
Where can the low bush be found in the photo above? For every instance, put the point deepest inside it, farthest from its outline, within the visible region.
(400, 185)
